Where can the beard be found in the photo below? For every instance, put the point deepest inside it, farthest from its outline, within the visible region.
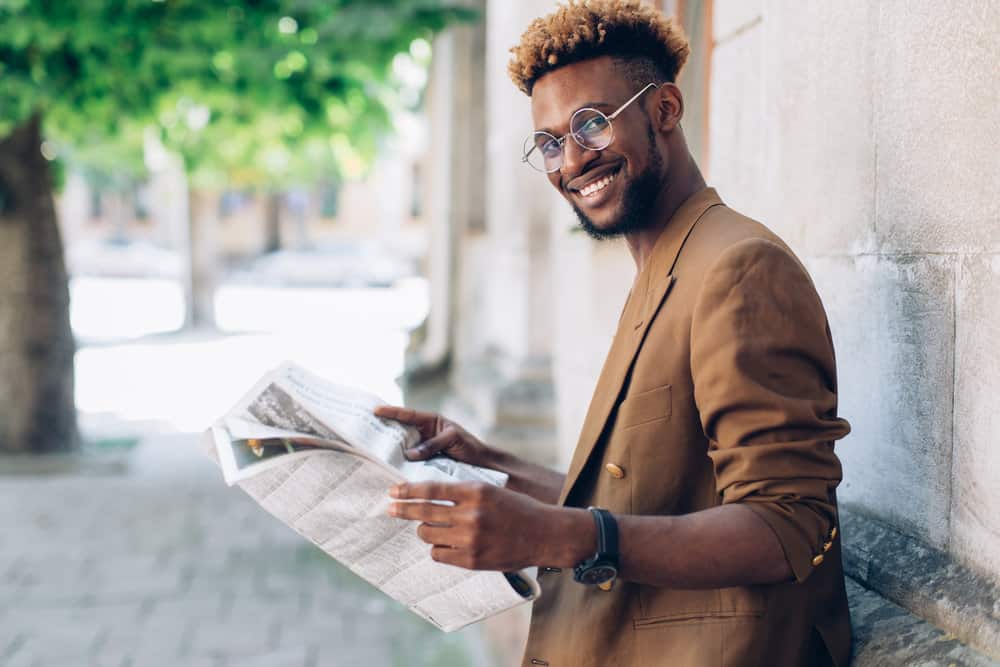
(638, 201)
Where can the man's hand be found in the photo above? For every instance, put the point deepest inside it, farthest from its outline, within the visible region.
(438, 436)
(443, 437)
(492, 528)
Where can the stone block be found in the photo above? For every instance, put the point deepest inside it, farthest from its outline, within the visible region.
(818, 153)
(887, 634)
(153, 641)
(893, 325)
(737, 146)
(286, 657)
(238, 638)
(936, 126)
(926, 581)
(975, 507)
(731, 16)
(197, 607)
(60, 644)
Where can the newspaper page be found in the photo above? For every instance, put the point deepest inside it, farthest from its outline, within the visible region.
(313, 454)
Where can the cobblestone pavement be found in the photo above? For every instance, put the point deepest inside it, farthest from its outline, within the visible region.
(165, 565)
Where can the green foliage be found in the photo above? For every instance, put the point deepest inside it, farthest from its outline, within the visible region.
(249, 92)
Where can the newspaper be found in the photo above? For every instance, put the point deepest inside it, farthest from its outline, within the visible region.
(314, 455)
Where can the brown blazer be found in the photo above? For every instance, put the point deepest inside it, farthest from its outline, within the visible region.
(720, 387)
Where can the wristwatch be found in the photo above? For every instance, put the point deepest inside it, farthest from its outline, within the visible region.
(601, 568)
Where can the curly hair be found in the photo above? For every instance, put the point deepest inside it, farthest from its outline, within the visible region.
(641, 37)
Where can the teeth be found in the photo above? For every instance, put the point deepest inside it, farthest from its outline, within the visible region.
(597, 186)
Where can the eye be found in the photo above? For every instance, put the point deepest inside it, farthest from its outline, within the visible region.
(550, 148)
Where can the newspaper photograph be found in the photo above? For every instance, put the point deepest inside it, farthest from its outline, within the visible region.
(314, 455)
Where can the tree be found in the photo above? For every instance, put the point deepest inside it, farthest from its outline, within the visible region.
(244, 91)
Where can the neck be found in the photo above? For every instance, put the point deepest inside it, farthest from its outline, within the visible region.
(679, 185)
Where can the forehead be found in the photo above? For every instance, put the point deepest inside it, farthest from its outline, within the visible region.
(559, 93)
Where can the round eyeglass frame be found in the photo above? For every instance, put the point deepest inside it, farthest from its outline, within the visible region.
(531, 144)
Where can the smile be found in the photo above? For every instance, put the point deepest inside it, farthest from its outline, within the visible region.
(591, 189)
(594, 188)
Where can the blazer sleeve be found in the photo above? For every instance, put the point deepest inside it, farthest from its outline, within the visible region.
(765, 386)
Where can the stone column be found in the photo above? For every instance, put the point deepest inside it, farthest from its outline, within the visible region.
(453, 184)
(502, 373)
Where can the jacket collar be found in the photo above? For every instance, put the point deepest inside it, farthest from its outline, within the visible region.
(648, 293)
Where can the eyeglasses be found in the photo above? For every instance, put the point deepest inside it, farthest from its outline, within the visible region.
(589, 128)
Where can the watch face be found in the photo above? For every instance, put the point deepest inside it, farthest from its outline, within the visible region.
(599, 574)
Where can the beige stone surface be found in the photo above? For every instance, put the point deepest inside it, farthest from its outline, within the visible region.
(737, 147)
(819, 155)
(731, 16)
(937, 126)
(893, 321)
(975, 519)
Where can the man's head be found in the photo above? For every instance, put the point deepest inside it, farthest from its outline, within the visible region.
(598, 54)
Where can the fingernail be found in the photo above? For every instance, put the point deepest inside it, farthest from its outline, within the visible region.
(393, 509)
(395, 491)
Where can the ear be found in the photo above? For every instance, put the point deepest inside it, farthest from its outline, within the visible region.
(669, 107)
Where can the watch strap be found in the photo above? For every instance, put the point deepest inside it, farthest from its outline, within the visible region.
(607, 533)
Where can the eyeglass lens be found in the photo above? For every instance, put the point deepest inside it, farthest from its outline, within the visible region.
(589, 128)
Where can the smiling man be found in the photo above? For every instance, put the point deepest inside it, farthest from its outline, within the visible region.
(697, 524)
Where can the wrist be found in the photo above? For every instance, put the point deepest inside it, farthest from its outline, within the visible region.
(573, 538)
(491, 457)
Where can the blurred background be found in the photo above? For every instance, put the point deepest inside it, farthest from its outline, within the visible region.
(191, 193)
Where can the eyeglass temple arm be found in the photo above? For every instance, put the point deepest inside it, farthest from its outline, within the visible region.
(632, 99)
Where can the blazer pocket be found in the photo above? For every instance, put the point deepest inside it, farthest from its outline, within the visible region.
(693, 618)
(646, 407)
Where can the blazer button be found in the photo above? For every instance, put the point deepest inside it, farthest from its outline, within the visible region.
(615, 470)
(833, 533)
(817, 560)
(826, 546)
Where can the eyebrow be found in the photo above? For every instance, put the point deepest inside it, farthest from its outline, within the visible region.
(585, 105)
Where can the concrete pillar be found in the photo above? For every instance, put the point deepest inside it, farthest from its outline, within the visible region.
(518, 208)
(168, 189)
(502, 373)
(454, 184)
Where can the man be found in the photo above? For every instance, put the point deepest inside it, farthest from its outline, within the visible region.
(708, 446)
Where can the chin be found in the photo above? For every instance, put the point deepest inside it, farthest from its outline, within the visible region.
(607, 227)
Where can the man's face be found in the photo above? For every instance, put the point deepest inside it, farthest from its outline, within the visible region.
(612, 191)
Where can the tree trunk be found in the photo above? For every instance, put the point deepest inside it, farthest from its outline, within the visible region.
(37, 412)
(272, 223)
(203, 253)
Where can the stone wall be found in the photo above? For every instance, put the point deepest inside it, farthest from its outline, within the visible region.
(865, 134)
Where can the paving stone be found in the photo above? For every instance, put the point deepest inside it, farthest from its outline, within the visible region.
(166, 566)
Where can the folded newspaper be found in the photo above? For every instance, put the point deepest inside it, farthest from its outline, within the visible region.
(314, 455)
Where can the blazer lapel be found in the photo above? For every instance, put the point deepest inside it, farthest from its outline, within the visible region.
(649, 293)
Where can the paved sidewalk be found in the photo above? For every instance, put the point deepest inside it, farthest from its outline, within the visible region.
(165, 565)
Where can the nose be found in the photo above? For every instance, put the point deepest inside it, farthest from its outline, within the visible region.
(575, 159)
